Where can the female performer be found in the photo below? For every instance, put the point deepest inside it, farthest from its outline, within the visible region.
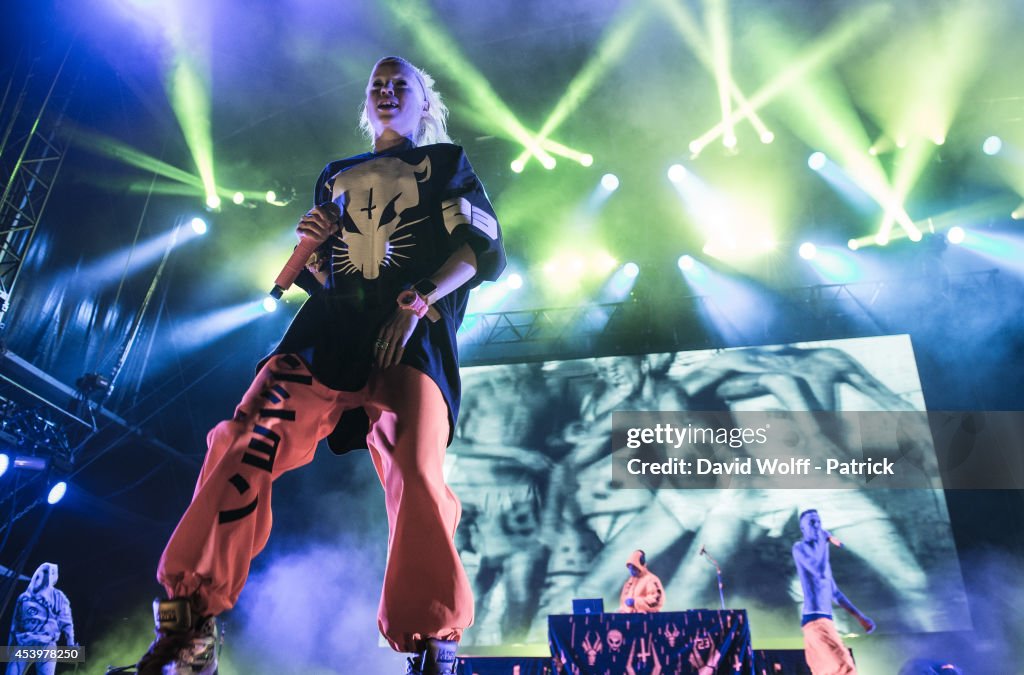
(370, 355)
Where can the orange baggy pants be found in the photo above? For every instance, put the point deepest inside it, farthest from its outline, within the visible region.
(276, 428)
(824, 649)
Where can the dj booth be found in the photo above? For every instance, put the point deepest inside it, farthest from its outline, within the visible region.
(696, 642)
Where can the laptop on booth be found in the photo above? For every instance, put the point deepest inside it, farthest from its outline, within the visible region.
(588, 606)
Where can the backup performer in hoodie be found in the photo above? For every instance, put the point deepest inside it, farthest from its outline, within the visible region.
(42, 615)
(642, 593)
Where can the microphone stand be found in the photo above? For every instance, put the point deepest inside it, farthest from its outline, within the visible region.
(718, 571)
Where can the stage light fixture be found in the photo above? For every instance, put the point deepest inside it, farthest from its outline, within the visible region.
(199, 226)
(238, 198)
(1018, 213)
(939, 140)
(685, 262)
(729, 141)
(269, 305)
(92, 387)
(676, 173)
(619, 283)
(587, 160)
(853, 244)
(518, 166)
(514, 281)
(57, 492)
(548, 162)
(696, 147)
(5, 463)
(213, 202)
(817, 161)
(610, 182)
(915, 235)
(284, 198)
(808, 251)
(881, 239)
(30, 462)
(873, 151)
(767, 137)
(956, 235)
(992, 145)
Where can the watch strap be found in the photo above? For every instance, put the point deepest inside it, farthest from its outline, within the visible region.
(424, 287)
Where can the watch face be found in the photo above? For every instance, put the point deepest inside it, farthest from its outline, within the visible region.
(425, 287)
(407, 298)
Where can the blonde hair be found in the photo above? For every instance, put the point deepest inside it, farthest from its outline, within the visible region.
(433, 127)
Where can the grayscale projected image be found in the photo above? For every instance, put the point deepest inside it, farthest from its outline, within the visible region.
(543, 522)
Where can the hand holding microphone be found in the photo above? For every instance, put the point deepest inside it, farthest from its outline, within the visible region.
(832, 540)
(314, 229)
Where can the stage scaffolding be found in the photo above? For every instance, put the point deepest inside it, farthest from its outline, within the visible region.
(817, 312)
(32, 152)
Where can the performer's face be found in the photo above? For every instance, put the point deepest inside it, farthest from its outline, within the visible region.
(634, 571)
(810, 526)
(394, 99)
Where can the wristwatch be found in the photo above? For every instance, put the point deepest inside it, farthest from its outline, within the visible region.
(414, 302)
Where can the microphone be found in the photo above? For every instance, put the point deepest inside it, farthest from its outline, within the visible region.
(305, 248)
(832, 540)
(718, 571)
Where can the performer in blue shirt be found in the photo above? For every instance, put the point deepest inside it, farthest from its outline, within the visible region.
(824, 649)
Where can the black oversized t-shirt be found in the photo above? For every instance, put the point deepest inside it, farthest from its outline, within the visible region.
(404, 211)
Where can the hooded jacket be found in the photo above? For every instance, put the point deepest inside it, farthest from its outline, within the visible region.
(42, 612)
(645, 589)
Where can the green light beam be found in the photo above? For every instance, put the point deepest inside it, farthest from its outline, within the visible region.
(109, 147)
(715, 20)
(826, 49)
(612, 46)
(933, 87)
(826, 119)
(188, 93)
(432, 38)
(687, 28)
